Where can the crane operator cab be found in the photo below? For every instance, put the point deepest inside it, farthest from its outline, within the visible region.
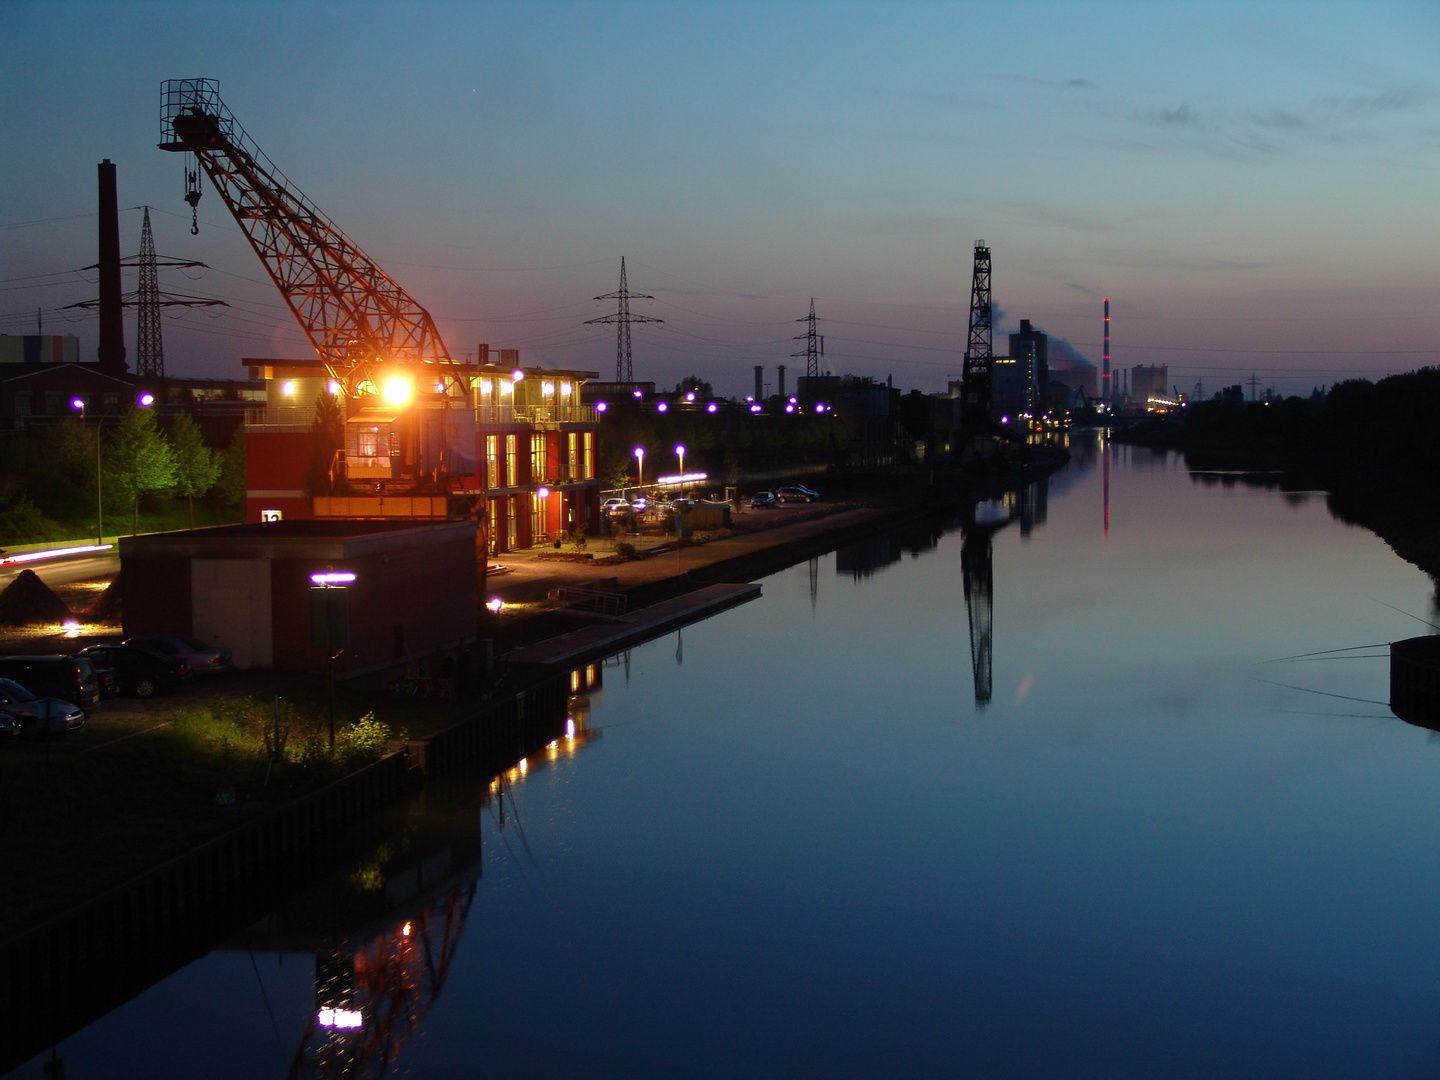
(427, 445)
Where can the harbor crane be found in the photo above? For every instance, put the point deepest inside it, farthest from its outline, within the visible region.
(354, 314)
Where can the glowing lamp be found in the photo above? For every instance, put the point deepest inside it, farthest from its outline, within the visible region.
(712, 407)
(332, 387)
(754, 408)
(679, 449)
(506, 387)
(332, 577)
(690, 396)
(147, 400)
(338, 1018)
(78, 404)
(495, 604)
(517, 375)
(600, 406)
(636, 393)
(71, 628)
(565, 389)
(398, 390)
(543, 492)
(819, 406)
(662, 407)
(569, 727)
(1004, 419)
(486, 386)
(439, 386)
(790, 408)
(288, 388)
(548, 389)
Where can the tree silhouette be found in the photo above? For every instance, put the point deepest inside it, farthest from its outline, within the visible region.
(197, 467)
(138, 462)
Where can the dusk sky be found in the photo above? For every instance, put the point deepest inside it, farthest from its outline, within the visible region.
(1253, 186)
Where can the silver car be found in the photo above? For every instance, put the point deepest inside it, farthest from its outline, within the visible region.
(43, 716)
(203, 659)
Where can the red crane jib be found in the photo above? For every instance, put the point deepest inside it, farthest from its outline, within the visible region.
(352, 312)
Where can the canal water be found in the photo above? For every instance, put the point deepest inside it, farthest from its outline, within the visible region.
(1040, 797)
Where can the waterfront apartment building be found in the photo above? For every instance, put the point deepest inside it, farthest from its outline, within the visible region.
(511, 446)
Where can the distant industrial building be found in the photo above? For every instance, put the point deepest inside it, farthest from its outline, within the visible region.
(865, 411)
(1149, 381)
(1019, 383)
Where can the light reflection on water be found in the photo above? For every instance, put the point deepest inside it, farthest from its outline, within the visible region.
(809, 844)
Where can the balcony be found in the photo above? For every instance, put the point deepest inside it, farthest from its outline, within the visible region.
(279, 416)
(536, 414)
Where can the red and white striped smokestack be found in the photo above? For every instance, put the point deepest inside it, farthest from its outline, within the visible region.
(1105, 378)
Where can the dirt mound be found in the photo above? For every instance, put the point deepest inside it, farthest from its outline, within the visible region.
(28, 601)
(106, 608)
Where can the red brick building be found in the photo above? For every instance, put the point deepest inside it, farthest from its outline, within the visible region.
(511, 446)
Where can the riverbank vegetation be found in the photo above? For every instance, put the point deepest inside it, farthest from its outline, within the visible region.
(1373, 447)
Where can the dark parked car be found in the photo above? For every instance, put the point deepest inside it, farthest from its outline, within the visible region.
(9, 726)
(203, 659)
(762, 499)
(140, 671)
(70, 678)
(60, 717)
(109, 680)
(794, 494)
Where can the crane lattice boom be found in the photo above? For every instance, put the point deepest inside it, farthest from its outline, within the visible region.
(353, 313)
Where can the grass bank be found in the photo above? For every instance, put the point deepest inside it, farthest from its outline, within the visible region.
(91, 811)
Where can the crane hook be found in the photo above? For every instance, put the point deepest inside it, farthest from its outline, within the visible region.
(194, 221)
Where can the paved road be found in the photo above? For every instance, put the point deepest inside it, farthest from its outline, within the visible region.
(65, 571)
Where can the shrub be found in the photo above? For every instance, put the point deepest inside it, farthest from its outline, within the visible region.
(625, 549)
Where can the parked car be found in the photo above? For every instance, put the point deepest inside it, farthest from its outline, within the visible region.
(39, 715)
(140, 671)
(9, 726)
(807, 490)
(762, 499)
(794, 494)
(109, 680)
(203, 659)
(617, 507)
(70, 678)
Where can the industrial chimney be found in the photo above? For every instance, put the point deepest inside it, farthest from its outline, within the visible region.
(111, 353)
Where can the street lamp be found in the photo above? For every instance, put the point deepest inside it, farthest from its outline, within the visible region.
(496, 605)
(680, 453)
(78, 404)
(640, 468)
(330, 623)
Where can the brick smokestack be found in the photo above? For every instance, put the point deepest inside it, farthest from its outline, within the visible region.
(111, 353)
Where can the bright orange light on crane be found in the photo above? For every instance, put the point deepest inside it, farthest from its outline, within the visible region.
(398, 390)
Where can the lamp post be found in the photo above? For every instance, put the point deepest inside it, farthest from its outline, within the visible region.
(640, 468)
(496, 605)
(680, 453)
(78, 404)
(330, 623)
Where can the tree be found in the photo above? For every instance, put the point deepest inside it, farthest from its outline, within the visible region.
(232, 470)
(327, 435)
(197, 467)
(695, 383)
(138, 462)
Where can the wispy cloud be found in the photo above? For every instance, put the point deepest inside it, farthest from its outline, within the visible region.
(1059, 84)
(1254, 133)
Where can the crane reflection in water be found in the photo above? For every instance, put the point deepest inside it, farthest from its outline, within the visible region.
(386, 932)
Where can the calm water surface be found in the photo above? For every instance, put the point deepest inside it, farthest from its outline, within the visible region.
(800, 848)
